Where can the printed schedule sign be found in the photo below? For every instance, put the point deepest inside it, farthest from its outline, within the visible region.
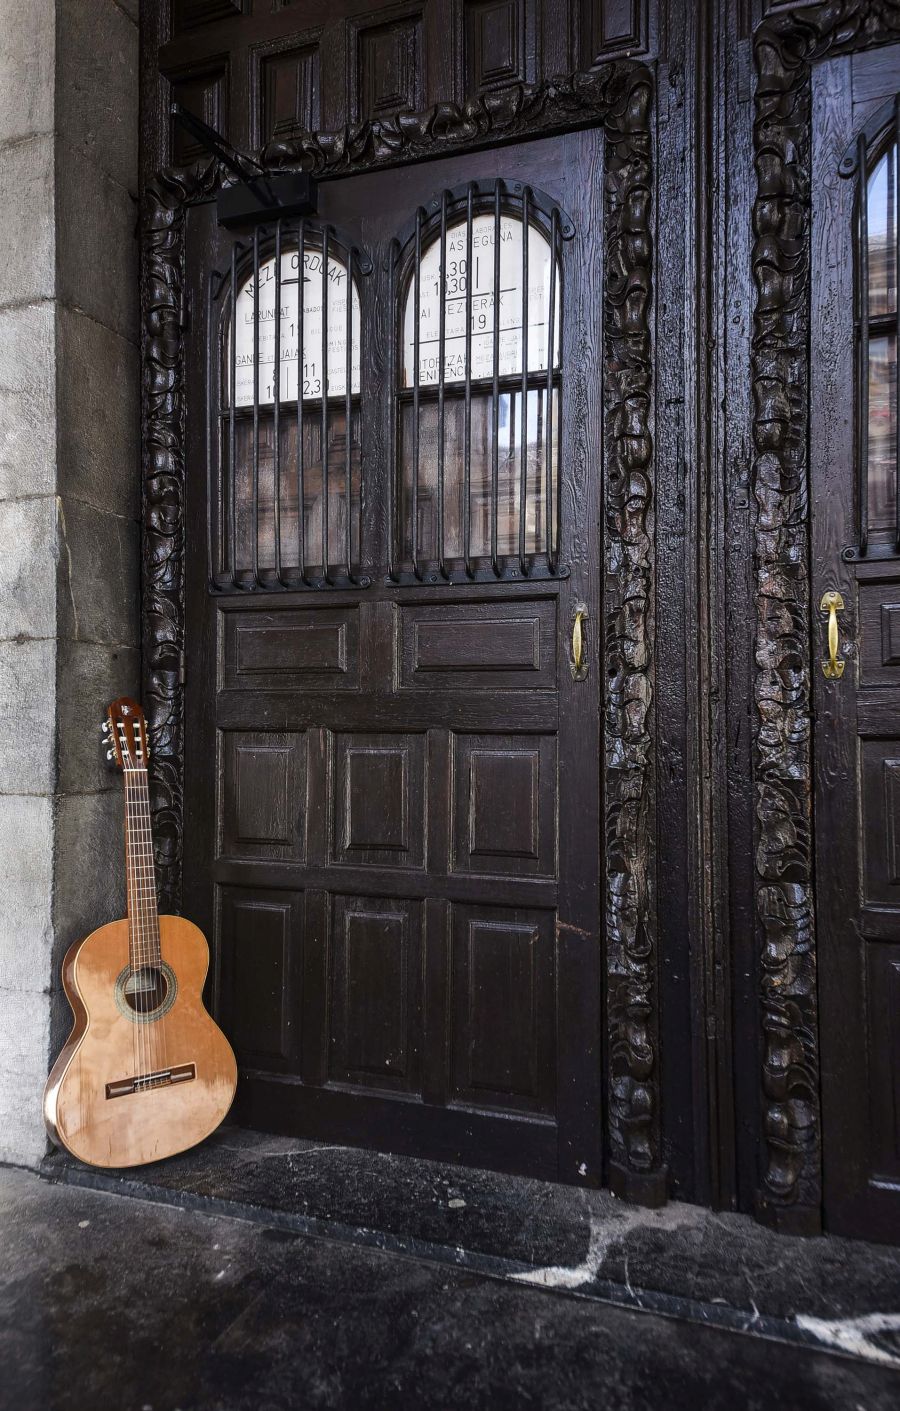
(299, 366)
(484, 296)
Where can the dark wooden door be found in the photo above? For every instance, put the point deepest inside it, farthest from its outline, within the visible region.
(856, 556)
(392, 777)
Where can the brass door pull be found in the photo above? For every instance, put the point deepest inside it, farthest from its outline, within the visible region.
(832, 603)
(579, 666)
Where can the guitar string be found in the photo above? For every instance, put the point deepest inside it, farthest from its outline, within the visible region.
(133, 922)
(142, 928)
(157, 1029)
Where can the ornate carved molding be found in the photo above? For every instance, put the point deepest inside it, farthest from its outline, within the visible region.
(162, 440)
(618, 95)
(786, 46)
(632, 998)
(522, 110)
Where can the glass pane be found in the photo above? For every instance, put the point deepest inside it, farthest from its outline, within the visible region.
(508, 479)
(455, 285)
(312, 486)
(882, 432)
(311, 359)
(882, 217)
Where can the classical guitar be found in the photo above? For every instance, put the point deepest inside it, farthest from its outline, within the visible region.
(145, 1072)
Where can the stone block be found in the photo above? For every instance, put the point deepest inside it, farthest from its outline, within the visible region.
(27, 716)
(89, 676)
(26, 93)
(27, 271)
(131, 8)
(99, 568)
(99, 415)
(26, 915)
(24, 1065)
(97, 243)
(27, 401)
(97, 85)
(28, 533)
(89, 882)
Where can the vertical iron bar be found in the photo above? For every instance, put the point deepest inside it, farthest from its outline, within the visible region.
(348, 419)
(213, 565)
(301, 361)
(394, 482)
(442, 345)
(897, 322)
(467, 428)
(232, 431)
(255, 503)
(325, 554)
(495, 391)
(863, 399)
(276, 404)
(551, 530)
(417, 305)
(523, 434)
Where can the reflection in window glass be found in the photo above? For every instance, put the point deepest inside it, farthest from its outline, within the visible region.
(882, 224)
(513, 306)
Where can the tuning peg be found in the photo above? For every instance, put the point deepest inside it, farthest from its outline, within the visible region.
(104, 728)
(110, 754)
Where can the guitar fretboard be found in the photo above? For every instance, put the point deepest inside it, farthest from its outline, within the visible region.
(140, 872)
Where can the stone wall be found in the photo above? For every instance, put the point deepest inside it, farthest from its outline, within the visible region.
(69, 505)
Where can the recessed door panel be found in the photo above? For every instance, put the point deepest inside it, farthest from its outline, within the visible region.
(504, 804)
(478, 646)
(502, 1008)
(290, 648)
(265, 806)
(375, 987)
(261, 934)
(379, 800)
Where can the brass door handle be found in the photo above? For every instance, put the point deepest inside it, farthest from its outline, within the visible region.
(579, 666)
(832, 603)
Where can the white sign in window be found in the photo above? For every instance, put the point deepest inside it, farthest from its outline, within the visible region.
(299, 365)
(510, 296)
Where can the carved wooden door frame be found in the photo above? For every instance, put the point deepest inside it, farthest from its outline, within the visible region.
(619, 97)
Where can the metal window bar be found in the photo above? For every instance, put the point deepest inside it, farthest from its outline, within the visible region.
(301, 355)
(467, 412)
(442, 348)
(495, 391)
(895, 208)
(394, 498)
(240, 431)
(524, 382)
(348, 425)
(862, 346)
(523, 432)
(324, 381)
(254, 533)
(417, 309)
(276, 407)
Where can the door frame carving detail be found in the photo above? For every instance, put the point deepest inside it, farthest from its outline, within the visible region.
(785, 48)
(619, 96)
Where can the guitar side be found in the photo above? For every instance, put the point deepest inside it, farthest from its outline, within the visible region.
(89, 1107)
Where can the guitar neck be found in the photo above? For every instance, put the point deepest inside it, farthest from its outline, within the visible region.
(140, 873)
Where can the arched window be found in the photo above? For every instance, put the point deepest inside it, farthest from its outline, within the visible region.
(878, 260)
(288, 411)
(480, 384)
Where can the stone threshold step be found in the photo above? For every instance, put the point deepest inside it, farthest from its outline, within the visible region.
(683, 1261)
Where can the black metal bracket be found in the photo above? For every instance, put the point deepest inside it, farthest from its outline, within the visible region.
(257, 195)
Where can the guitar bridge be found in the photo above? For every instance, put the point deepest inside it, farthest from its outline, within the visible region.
(162, 1078)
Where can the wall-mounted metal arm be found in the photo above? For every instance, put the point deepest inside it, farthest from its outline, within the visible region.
(256, 195)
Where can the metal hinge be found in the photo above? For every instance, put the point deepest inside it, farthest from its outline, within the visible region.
(182, 668)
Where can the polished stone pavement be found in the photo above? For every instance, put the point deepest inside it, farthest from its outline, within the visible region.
(111, 1301)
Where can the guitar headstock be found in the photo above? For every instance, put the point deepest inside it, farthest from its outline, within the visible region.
(125, 730)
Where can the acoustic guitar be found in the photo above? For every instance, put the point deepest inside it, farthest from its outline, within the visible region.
(145, 1072)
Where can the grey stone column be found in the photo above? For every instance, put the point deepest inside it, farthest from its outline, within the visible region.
(69, 505)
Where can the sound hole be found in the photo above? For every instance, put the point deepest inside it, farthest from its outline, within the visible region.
(146, 989)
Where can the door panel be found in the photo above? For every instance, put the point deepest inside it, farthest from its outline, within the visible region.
(386, 873)
(857, 713)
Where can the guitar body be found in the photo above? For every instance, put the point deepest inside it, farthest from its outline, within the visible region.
(146, 1072)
